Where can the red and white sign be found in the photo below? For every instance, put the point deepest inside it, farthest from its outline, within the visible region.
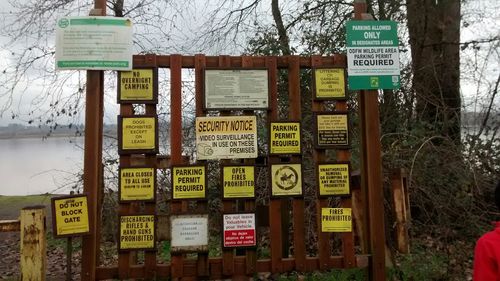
(239, 230)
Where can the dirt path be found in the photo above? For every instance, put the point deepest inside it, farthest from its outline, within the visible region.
(10, 207)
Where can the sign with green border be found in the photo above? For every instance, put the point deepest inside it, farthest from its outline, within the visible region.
(372, 55)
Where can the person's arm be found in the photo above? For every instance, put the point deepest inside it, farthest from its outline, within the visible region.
(485, 266)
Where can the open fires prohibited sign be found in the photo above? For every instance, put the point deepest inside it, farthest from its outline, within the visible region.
(372, 55)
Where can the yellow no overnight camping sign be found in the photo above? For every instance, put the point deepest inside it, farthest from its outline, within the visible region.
(136, 85)
(336, 220)
(238, 181)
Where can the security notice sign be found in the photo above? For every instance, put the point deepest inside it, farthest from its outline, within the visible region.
(238, 181)
(333, 179)
(239, 230)
(138, 86)
(189, 182)
(137, 184)
(226, 137)
(236, 89)
(372, 55)
(137, 232)
(336, 220)
(70, 215)
(137, 134)
(332, 130)
(329, 83)
(286, 179)
(189, 233)
(284, 138)
(98, 43)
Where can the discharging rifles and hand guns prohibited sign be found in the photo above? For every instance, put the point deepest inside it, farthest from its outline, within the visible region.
(137, 184)
(226, 137)
(137, 232)
(70, 215)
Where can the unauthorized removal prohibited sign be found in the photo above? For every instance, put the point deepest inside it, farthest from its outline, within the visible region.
(372, 55)
(98, 43)
(70, 215)
(333, 179)
(239, 230)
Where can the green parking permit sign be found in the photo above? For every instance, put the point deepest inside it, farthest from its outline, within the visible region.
(372, 55)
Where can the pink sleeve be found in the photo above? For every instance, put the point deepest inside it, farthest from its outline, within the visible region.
(485, 267)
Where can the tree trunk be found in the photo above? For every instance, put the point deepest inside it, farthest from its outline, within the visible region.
(434, 29)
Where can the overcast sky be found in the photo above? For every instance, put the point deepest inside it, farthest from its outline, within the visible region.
(482, 18)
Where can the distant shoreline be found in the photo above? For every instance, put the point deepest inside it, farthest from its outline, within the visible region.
(38, 136)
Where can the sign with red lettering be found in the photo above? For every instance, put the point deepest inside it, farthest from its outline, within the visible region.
(239, 230)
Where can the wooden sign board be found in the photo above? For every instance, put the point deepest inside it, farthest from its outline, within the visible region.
(286, 180)
(70, 215)
(329, 84)
(331, 130)
(238, 181)
(284, 137)
(226, 137)
(189, 233)
(137, 232)
(138, 86)
(138, 134)
(233, 89)
(336, 220)
(333, 178)
(189, 182)
(137, 184)
(239, 230)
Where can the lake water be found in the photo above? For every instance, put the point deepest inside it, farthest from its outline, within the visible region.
(35, 166)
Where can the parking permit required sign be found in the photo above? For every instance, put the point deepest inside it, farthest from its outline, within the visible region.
(372, 55)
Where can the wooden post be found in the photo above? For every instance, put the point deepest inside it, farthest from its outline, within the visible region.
(92, 161)
(371, 169)
(400, 206)
(33, 243)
